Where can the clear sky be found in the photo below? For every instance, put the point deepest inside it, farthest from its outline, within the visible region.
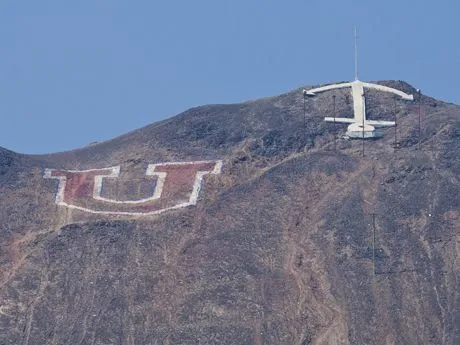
(75, 72)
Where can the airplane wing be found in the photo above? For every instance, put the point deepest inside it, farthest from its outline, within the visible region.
(403, 95)
(376, 123)
(380, 123)
(313, 92)
(340, 119)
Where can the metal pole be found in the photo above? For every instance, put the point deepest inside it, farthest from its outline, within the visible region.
(419, 126)
(335, 134)
(304, 119)
(373, 242)
(356, 54)
(363, 136)
(396, 126)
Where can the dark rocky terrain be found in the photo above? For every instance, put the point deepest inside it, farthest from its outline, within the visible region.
(300, 240)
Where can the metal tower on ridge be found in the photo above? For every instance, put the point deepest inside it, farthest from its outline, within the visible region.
(360, 126)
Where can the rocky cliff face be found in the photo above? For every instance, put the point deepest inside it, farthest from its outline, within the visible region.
(297, 239)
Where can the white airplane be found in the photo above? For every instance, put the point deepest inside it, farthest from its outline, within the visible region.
(360, 126)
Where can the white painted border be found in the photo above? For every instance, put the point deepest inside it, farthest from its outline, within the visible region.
(98, 182)
(150, 171)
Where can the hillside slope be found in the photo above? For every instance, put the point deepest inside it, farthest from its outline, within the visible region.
(296, 239)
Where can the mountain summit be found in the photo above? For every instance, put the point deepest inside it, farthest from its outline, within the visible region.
(253, 223)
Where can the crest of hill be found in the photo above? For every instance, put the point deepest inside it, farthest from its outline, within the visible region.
(266, 127)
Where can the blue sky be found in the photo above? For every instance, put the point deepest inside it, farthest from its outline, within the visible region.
(75, 72)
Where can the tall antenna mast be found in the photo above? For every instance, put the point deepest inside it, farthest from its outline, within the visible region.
(359, 126)
(356, 54)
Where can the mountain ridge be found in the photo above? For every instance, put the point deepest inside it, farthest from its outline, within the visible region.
(404, 86)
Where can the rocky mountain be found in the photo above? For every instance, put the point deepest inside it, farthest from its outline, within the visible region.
(253, 223)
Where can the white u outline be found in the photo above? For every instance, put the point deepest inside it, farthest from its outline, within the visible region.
(150, 171)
